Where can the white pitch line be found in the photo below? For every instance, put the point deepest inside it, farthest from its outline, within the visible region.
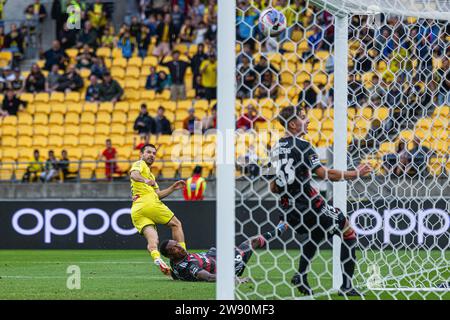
(83, 277)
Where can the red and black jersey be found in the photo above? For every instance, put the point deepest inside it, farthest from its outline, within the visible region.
(188, 268)
(293, 160)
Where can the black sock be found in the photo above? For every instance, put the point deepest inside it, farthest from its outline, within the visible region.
(348, 261)
(308, 251)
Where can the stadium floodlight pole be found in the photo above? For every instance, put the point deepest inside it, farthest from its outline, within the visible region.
(340, 130)
(225, 150)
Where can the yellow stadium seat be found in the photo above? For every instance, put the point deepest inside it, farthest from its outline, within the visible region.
(366, 113)
(86, 170)
(104, 52)
(56, 130)
(74, 107)
(135, 62)
(73, 129)
(24, 130)
(73, 97)
(103, 117)
(119, 117)
(100, 139)
(7, 171)
(11, 130)
(436, 166)
(406, 135)
(86, 140)
(70, 140)
(315, 114)
(72, 118)
(116, 53)
(133, 72)
(58, 108)
(87, 129)
(150, 61)
(87, 118)
(442, 111)
(55, 141)
(170, 169)
(119, 62)
(117, 73)
(72, 53)
(40, 141)
(131, 83)
(57, 97)
(43, 108)
(106, 106)
(122, 106)
(164, 95)
(381, 113)
(85, 73)
(147, 95)
(440, 122)
(56, 118)
(102, 128)
(42, 130)
(25, 141)
(40, 118)
(74, 153)
(90, 107)
(28, 97)
(41, 97)
(132, 94)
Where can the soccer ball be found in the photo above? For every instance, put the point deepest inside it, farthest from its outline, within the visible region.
(272, 22)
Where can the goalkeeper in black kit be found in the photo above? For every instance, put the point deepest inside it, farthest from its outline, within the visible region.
(293, 160)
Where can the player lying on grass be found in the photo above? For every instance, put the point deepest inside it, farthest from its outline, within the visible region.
(294, 160)
(202, 266)
(148, 210)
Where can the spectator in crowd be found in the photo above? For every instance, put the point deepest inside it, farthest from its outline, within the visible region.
(264, 66)
(197, 11)
(363, 63)
(165, 36)
(143, 41)
(2, 6)
(200, 33)
(200, 91)
(245, 52)
(35, 81)
(357, 94)
(187, 32)
(36, 11)
(107, 39)
(443, 79)
(420, 156)
(98, 68)
(376, 92)
(208, 71)
(52, 79)
(88, 36)
(126, 44)
(248, 78)
(11, 104)
(196, 62)
(152, 82)
(144, 141)
(109, 155)
(135, 28)
(96, 14)
(397, 164)
(190, 123)
(144, 123)
(210, 121)
(85, 58)
(2, 36)
(195, 186)
(211, 32)
(64, 167)
(315, 43)
(15, 42)
(59, 13)
(248, 119)
(70, 81)
(371, 142)
(308, 96)
(267, 88)
(34, 169)
(110, 89)
(177, 19)
(17, 81)
(246, 18)
(324, 97)
(93, 90)
(162, 124)
(55, 55)
(67, 37)
(177, 70)
(50, 168)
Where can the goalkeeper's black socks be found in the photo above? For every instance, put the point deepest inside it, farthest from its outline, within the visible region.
(348, 261)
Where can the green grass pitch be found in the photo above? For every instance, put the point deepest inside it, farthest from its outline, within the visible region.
(129, 274)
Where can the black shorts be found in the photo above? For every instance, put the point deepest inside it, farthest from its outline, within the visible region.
(323, 222)
(241, 256)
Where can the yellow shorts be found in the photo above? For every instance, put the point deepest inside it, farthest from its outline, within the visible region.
(144, 214)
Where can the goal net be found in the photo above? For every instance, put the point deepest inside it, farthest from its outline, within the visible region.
(388, 107)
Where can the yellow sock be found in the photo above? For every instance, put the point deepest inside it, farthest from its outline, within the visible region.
(155, 254)
(183, 244)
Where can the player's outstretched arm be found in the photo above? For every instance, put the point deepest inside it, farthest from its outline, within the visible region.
(136, 176)
(176, 186)
(338, 175)
(204, 275)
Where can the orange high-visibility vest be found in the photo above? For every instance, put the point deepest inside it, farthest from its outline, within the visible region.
(194, 189)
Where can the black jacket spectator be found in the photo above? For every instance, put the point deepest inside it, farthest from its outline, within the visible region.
(88, 36)
(197, 60)
(308, 95)
(15, 39)
(67, 37)
(55, 55)
(93, 90)
(162, 124)
(144, 123)
(110, 90)
(160, 33)
(11, 104)
(35, 81)
(70, 81)
(177, 68)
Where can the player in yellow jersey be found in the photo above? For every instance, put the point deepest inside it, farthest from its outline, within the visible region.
(147, 210)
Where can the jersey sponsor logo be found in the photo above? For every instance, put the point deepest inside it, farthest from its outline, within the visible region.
(315, 161)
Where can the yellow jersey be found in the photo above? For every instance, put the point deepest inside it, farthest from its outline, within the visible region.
(141, 190)
(209, 76)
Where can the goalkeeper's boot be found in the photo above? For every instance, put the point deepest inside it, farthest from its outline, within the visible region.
(301, 282)
(349, 292)
(163, 267)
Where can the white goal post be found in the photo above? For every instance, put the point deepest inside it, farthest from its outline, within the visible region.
(406, 284)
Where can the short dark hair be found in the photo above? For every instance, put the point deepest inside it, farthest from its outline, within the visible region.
(162, 108)
(287, 114)
(163, 248)
(147, 145)
(198, 169)
(144, 106)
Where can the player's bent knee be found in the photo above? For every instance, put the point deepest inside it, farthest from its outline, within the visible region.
(174, 223)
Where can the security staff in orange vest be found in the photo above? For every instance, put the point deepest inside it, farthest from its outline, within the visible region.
(195, 186)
